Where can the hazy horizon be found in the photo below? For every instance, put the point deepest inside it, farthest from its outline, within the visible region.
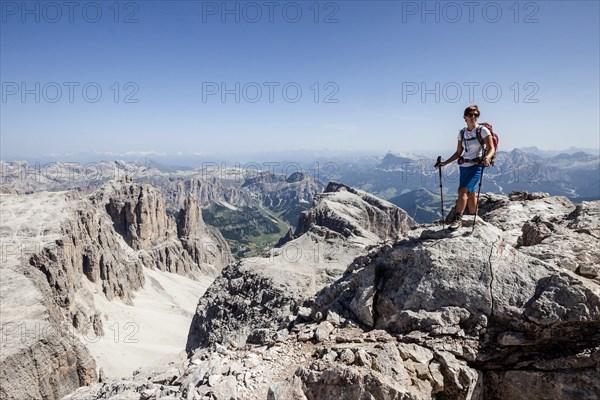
(193, 160)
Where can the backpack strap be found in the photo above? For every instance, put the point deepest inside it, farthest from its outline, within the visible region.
(462, 137)
(464, 141)
(483, 145)
(478, 133)
(484, 148)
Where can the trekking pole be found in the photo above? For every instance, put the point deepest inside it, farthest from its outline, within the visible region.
(478, 192)
(438, 163)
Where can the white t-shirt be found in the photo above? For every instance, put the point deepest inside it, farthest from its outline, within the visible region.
(473, 149)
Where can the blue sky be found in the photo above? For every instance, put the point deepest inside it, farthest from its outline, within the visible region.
(361, 67)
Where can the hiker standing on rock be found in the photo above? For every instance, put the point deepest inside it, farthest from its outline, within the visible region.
(475, 141)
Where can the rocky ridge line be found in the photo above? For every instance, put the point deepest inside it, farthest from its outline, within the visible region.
(432, 315)
(107, 239)
(274, 287)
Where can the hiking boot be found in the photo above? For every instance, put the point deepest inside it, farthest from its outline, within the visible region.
(457, 223)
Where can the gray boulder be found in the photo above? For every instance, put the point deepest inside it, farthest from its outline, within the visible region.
(266, 293)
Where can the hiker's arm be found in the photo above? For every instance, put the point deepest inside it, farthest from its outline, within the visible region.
(489, 143)
(459, 150)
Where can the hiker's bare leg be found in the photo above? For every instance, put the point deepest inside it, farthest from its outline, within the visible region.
(472, 201)
(461, 204)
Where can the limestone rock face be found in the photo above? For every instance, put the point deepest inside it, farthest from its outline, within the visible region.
(39, 356)
(240, 302)
(87, 248)
(185, 246)
(189, 220)
(63, 249)
(92, 246)
(550, 228)
(54, 365)
(242, 188)
(534, 232)
(205, 190)
(576, 380)
(585, 218)
(205, 244)
(265, 293)
(138, 213)
(516, 319)
(510, 213)
(415, 286)
(280, 191)
(84, 246)
(348, 211)
(433, 314)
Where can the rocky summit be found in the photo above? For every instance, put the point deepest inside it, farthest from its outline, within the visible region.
(421, 312)
(254, 300)
(358, 302)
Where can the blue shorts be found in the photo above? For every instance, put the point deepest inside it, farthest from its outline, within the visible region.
(469, 177)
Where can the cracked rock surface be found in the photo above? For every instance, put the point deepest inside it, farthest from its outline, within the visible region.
(432, 315)
(65, 256)
(263, 293)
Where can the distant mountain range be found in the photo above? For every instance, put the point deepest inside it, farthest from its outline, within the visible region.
(576, 176)
(359, 300)
(267, 197)
(552, 153)
(190, 160)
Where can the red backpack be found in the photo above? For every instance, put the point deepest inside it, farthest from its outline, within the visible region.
(495, 138)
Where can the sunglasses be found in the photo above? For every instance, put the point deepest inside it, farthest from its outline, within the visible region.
(473, 115)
